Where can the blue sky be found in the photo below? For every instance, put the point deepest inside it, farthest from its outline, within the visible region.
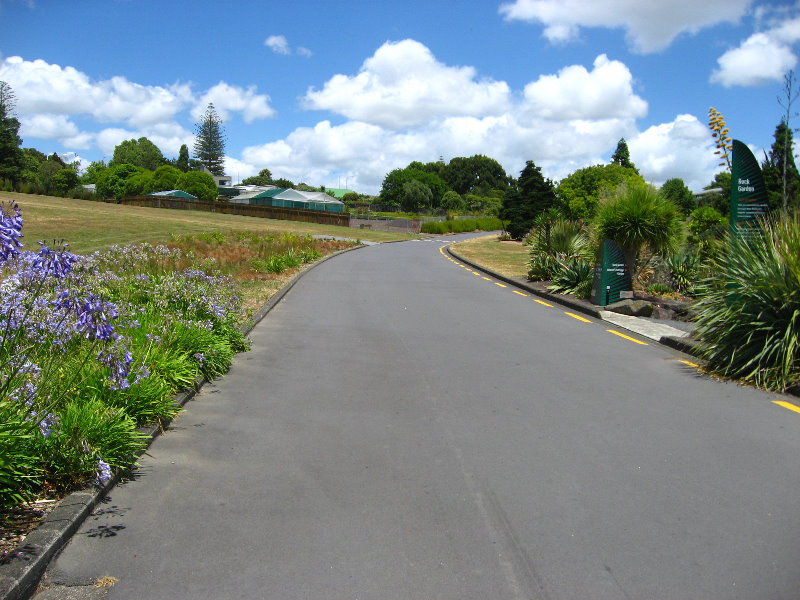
(340, 93)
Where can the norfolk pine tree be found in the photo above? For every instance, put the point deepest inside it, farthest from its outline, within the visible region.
(209, 141)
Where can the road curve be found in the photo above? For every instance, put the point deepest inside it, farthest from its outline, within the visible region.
(405, 427)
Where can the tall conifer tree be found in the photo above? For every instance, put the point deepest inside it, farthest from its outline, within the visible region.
(209, 141)
(11, 159)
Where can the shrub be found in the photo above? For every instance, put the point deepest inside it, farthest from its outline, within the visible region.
(573, 278)
(749, 316)
(637, 216)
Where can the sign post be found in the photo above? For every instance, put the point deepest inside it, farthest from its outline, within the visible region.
(748, 193)
(611, 275)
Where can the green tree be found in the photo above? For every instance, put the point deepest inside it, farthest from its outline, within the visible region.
(139, 153)
(675, 189)
(283, 183)
(65, 180)
(209, 141)
(165, 178)
(31, 159)
(452, 201)
(635, 216)
(11, 162)
(111, 183)
(781, 177)
(93, 171)
(722, 199)
(532, 195)
(47, 171)
(477, 175)
(416, 196)
(392, 188)
(622, 156)
(139, 184)
(264, 177)
(579, 192)
(199, 184)
(182, 163)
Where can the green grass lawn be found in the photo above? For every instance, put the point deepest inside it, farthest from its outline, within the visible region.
(88, 226)
(506, 258)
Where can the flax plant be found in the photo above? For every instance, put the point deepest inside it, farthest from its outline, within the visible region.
(749, 315)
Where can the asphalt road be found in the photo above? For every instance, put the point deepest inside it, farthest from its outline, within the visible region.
(406, 428)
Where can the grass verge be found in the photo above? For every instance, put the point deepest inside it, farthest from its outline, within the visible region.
(507, 258)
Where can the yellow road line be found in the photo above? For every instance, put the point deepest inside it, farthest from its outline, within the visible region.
(520, 293)
(690, 364)
(574, 316)
(542, 302)
(788, 405)
(627, 337)
(500, 284)
(487, 279)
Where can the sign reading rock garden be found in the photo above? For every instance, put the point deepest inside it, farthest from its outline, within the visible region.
(748, 194)
(611, 275)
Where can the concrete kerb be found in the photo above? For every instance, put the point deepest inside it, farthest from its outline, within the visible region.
(20, 576)
(682, 344)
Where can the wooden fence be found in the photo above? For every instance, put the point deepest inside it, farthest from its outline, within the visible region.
(247, 210)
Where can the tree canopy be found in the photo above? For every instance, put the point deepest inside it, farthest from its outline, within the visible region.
(780, 163)
(392, 188)
(675, 189)
(477, 174)
(139, 153)
(532, 195)
(11, 161)
(264, 177)
(622, 156)
(199, 184)
(579, 192)
(182, 162)
(209, 141)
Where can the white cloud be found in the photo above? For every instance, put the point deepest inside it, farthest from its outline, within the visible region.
(762, 58)
(304, 52)
(107, 139)
(41, 87)
(278, 44)
(575, 93)
(402, 85)
(228, 98)
(683, 148)
(48, 127)
(650, 25)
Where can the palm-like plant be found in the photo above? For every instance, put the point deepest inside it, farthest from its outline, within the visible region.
(749, 314)
(636, 216)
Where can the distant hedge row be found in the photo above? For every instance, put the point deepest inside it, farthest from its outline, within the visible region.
(462, 225)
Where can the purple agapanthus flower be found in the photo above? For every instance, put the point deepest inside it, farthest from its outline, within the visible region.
(103, 471)
(93, 315)
(54, 262)
(10, 230)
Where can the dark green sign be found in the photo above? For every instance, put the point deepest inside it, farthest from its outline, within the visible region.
(611, 275)
(748, 194)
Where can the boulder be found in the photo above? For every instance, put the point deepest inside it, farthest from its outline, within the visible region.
(634, 308)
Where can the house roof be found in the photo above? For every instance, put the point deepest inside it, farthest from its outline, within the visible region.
(178, 193)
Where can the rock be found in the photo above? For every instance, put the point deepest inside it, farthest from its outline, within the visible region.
(634, 308)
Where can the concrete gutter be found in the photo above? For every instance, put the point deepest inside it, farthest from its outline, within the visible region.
(664, 334)
(20, 576)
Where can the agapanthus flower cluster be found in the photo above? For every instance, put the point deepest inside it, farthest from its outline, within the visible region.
(54, 262)
(10, 230)
(103, 472)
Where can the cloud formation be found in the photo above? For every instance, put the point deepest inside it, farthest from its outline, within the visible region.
(53, 100)
(280, 45)
(402, 85)
(649, 26)
(762, 58)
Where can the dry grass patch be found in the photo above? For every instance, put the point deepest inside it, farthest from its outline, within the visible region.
(88, 226)
(504, 257)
